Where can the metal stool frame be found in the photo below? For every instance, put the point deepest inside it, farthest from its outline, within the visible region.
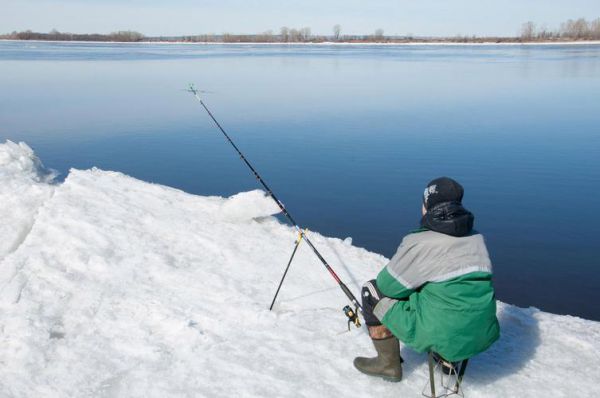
(456, 374)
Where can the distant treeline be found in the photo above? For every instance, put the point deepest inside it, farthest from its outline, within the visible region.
(285, 35)
(579, 29)
(124, 36)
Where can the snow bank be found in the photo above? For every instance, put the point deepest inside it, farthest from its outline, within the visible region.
(24, 187)
(122, 288)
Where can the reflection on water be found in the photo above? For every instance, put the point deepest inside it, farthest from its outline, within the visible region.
(347, 136)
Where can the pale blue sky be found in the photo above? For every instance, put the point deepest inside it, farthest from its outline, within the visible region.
(176, 17)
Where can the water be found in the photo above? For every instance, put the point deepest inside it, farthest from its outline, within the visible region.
(347, 136)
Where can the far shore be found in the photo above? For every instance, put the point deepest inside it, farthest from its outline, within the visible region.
(332, 43)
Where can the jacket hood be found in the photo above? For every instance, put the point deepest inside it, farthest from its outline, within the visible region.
(449, 218)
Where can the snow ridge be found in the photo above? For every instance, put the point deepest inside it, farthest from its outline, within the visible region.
(24, 186)
(128, 289)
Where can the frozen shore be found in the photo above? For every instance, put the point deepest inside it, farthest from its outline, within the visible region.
(416, 43)
(114, 287)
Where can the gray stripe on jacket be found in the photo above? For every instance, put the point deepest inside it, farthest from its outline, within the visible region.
(434, 257)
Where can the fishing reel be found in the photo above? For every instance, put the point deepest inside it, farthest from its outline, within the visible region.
(352, 315)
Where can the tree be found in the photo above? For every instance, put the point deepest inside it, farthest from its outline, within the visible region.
(378, 34)
(566, 28)
(285, 34)
(595, 28)
(126, 35)
(578, 29)
(264, 37)
(543, 33)
(294, 35)
(337, 30)
(581, 29)
(305, 34)
(528, 30)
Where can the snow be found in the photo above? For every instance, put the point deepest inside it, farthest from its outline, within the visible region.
(114, 287)
(24, 187)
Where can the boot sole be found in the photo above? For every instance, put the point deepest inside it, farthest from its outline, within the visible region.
(390, 379)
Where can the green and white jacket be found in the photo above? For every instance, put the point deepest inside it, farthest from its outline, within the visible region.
(440, 295)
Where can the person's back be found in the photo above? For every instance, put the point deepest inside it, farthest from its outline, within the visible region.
(436, 292)
(451, 307)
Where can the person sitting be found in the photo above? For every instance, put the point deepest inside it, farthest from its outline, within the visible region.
(436, 293)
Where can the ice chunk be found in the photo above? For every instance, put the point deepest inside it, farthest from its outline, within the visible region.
(246, 206)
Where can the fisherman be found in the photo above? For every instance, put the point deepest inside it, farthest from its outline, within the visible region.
(436, 293)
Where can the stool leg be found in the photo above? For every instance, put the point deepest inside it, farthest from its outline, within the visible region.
(431, 377)
(461, 373)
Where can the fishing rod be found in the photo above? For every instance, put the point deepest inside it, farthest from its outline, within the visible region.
(352, 315)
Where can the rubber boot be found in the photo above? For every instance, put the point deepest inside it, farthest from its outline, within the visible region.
(387, 363)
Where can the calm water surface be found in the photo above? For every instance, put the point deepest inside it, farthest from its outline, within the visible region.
(347, 136)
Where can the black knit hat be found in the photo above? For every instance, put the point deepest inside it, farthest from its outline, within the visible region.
(442, 190)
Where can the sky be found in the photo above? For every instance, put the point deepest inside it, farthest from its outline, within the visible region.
(188, 17)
